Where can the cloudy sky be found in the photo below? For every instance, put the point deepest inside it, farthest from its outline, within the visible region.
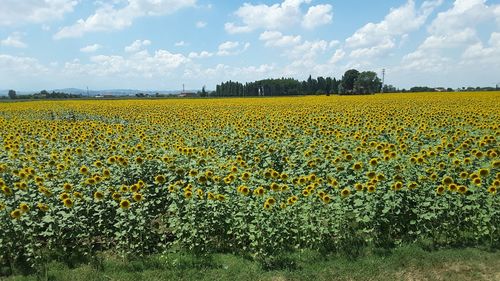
(162, 44)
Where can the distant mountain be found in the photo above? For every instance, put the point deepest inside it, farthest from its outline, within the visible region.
(114, 92)
(6, 92)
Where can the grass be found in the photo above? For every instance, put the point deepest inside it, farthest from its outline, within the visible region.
(407, 263)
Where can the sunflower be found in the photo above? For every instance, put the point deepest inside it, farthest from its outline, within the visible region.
(267, 206)
(397, 186)
(484, 172)
(98, 195)
(275, 174)
(358, 187)
(77, 194)
(271, 200)
(211, 196)
(380, 177)
(477, 181)
(160, 179)
(492, 190)
(24, 207)
(371, 188)
(345, 192)
(67, 187)
(245, 176)
(306, 192)
(43, 207)
(84, 170)
(137, 197)
(124, 188)
(188, 194)
(221, 197)
(116, 196)
(440, 190)
(125, 204)
(447, 180)
(135, 187)
(6, 190)
(259, 191)
(462, 189)
(244, 190)
(68, 203)
(63, 196)
(16, 214)
(326, 199)
(357, 166)
(202, 179)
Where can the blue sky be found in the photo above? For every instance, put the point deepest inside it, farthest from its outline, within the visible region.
(162, 44)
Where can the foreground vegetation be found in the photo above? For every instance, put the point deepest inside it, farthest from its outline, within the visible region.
(260, 178)
(407, 263)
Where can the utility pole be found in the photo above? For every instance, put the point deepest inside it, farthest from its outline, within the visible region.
(383, 80)
(88, 95)
(183, 91)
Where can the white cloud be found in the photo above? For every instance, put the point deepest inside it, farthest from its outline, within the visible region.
(13, 40)
(464, 13)
(137, 45)
(90, 48)
(318, 15)
(277, 39)
(200, 55)
(455, 29)
(108, 17)
(377, 38)
(478, 53)
(180, 44)
(262, 16)
(140, 64)
(449, 40)
(422, 61)
(16, 12)
(201, 24)
(20, 66)
(229, 48)
(308, 50)
(226, 72)
(337, 56)
(369, 52)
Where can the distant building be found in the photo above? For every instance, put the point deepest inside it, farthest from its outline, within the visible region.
(440, 89)
(187, 95)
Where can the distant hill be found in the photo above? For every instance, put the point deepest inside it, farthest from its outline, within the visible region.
(114, 92)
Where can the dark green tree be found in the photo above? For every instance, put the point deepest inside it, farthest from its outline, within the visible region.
(12, 94)
(348, 80)
(367, 82)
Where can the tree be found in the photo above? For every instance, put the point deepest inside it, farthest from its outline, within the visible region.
(203, 92)
(389, 89)
(12, 94)
(348, 80)
(367, 82)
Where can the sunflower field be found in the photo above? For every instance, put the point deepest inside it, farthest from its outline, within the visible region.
(253, 176)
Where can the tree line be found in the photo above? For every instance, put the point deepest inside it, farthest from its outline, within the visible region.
(43, 95)
(352, 82)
